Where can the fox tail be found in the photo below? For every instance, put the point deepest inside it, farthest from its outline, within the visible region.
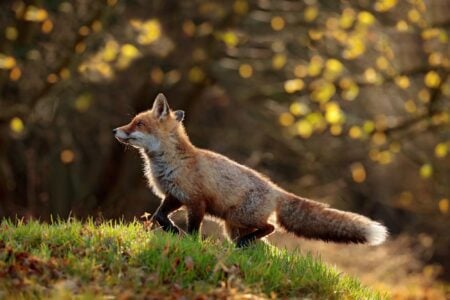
(314, 220)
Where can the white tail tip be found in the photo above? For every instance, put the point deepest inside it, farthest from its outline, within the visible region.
(376, 233)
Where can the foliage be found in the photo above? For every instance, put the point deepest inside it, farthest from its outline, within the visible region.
(116, 259)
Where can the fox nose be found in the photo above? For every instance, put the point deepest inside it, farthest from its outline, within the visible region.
(114, 130)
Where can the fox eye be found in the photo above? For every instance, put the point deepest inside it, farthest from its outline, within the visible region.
(139, 123)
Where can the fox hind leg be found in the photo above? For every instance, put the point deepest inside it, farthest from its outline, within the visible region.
(233, 232)
(261, 232)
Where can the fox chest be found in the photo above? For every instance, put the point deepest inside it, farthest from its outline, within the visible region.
(164, 180)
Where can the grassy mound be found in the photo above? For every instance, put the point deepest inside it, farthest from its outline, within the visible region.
(85, 260)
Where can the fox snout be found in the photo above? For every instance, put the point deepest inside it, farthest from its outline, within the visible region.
(121, 135)
(137, 139)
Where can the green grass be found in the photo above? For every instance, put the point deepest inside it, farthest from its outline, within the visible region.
(70, 259)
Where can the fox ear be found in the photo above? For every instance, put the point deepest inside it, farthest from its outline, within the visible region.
(160, 106)
(179, 115)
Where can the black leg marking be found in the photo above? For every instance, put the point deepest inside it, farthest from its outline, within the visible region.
(168, 205)
(195, 218)
(246, 240)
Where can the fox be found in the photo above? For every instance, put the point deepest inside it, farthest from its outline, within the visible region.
(206, 183)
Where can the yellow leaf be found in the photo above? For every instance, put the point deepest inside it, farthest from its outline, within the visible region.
(230, 38)
(368, 126)
(426, 171)
(110, 51)
(7, 62)
(444, 205)
(414, 15)
(385, 5)
(401, 26)
(301, 71)
(286, 119)
(277, 23)
(315, 65)
(436, 59)
(293, 85)
(240, 7)
(355, 46)
(298, 109)
(245, 70)
(104, 69)
(424, 95)
(196, 75)
(323, 91)
(311, 13)
(315, 34)
(316, 120)
(410, 106)
(382, 63)
(350, 89)
(440, 118)
(379, 138)
(83, 102)
(402, 81)
(371, 75)
(441, 150)
(432, 79)
(351, 93)
(385, 157)
(334, 66)
(366, 18)
(35, 14)
(347, 18)
(129, 51)
(97, 26)
(64, 73)
(336, 129)
(278, 61)
(11, 33)
(333, 113)
(149, 31)
(355, 132)
(358, 172)
(332, 23)
(430, 33)
(16, 125)
(304, 128)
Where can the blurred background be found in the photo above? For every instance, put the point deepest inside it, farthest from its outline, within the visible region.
(346, 102)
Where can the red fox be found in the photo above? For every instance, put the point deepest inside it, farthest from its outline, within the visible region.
(205, 182)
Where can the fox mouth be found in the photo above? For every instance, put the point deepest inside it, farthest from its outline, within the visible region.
(124, 140)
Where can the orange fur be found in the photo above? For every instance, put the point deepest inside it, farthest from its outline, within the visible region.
(209, 183)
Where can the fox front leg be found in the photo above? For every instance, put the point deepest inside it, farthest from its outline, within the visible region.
(195, 215)
(168, 206)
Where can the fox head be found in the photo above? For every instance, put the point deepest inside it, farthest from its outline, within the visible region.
(149, 129)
